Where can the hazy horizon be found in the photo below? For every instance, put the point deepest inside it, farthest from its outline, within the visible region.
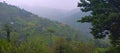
(56, 4)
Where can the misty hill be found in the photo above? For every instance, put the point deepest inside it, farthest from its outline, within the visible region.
(66, 17)
(24, 22)
(72, 17)
(51, 13)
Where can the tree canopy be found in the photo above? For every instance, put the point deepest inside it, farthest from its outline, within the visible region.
(105, 18)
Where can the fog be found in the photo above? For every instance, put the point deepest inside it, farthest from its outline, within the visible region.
(57, 4)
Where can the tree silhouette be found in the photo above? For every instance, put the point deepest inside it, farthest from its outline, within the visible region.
(105, 18)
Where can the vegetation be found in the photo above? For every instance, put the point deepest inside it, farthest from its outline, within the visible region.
(40, 44)
(24, 32)
(25, 22)
(105, 19)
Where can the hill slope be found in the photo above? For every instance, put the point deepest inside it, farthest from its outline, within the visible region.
(73, 16)
(66, 17)
(25, 22)
(51, 13)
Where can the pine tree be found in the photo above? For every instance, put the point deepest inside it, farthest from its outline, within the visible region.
(105, 18)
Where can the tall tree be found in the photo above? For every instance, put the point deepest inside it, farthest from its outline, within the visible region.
(8, 31)
(51, 31)
(105, 18)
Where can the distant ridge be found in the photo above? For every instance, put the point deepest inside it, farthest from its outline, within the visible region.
(26, 22)
(66, 17)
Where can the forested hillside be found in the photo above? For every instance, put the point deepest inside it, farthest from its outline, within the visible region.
(67, 17)
(26, 22)
(25, 32)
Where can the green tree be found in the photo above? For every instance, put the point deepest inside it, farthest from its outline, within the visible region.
(62, 46)
(105, 18)
(51, 31)
(8, 31)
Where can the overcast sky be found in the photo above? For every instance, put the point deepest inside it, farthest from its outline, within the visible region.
(58, 4)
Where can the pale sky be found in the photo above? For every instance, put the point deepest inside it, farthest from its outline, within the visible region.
(58, 4)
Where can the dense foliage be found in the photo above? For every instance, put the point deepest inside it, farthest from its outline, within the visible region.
(40, 46)
(24, 32)
(105, 18)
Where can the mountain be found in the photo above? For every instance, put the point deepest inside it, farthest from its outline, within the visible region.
(24, 32)
(71, 19)
(45, 12)
(24, 22)
(66, 17)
